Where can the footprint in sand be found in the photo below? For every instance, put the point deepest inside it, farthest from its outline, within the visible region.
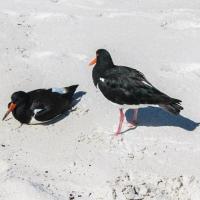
(181, 19)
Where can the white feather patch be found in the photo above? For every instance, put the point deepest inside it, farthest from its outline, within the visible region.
(36, 111)
(102, 79)
(125, 106)
(147, 83)
(59, 90)
(33, 120)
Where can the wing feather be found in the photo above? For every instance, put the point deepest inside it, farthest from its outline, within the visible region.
(125, 85)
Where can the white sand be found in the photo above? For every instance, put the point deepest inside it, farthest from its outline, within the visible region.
(45, 43)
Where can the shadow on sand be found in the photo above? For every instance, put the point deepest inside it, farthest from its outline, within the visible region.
(155, 116)
(76, 99)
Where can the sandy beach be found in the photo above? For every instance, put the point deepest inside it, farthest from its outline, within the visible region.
(49, 43)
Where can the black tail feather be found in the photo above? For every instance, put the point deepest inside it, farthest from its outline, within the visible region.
(173, 107)
(70, 91)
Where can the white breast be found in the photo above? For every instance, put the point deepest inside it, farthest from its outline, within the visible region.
(33, 120)
(125, 106)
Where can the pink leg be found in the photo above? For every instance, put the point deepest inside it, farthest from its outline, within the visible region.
(120, 121)
(134, 119)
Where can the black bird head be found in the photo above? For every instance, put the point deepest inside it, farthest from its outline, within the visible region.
(17, 99)
(103, 59)
(103, 62)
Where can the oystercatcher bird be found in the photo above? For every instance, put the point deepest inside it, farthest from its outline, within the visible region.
(127, 86)
(41, 104)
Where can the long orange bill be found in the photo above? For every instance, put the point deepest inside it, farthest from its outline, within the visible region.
(93, 61)
(10, 109)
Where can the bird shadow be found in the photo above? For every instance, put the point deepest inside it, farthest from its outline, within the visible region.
(76, 99)
(155, 116)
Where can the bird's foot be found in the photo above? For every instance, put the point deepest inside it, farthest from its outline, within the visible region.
(117, 133)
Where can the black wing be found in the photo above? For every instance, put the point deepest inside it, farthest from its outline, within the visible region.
(125, 85)
(47, 104)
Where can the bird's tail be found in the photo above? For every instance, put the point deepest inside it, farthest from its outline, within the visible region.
(173, 107)
(70, 91)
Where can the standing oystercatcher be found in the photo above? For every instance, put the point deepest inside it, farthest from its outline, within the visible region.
(41, 104)
(126, 86)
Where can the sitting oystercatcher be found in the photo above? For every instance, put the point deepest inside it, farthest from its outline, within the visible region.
(127, 86)
(41, 104)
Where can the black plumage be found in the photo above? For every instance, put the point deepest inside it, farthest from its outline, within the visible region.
(41, 104)
(124, 85)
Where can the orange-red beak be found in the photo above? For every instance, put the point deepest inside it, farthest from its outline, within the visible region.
(93, 61)
(11, 107)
